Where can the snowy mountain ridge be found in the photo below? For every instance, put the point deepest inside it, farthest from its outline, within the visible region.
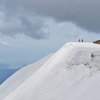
(20, 76)
(72, 73)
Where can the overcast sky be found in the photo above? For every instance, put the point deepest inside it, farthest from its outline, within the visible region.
(31, 29)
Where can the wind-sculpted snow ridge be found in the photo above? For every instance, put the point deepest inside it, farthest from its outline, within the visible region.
(20, 76)
(72, 73)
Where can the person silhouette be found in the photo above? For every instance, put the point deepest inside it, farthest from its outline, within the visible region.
(82, 40)
(79, 40)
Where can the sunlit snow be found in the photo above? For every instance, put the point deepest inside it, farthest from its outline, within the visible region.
(72, 73)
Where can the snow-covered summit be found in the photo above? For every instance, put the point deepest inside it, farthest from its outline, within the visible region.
(72, 73)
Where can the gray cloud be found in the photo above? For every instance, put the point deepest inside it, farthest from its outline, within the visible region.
(83, 13)
(19, 21)
(3, 43)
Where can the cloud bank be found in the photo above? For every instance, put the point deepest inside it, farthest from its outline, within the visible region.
(28, 16)
(84, 13)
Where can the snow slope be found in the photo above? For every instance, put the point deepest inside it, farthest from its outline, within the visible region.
(20, 76)
(70, 74)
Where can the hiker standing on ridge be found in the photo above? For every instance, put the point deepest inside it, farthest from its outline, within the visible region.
(82, 40)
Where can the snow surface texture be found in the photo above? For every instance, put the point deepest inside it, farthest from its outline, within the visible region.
(20, 76)
(72, 73)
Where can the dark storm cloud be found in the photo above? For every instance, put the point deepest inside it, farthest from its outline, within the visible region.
(84, 13)
(15, 20)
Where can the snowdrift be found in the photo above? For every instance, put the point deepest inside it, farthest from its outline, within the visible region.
(72, 73)
(20, 76)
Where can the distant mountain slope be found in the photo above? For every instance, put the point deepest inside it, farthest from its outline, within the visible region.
(20, 77)
(5, 73)
(72, 73)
